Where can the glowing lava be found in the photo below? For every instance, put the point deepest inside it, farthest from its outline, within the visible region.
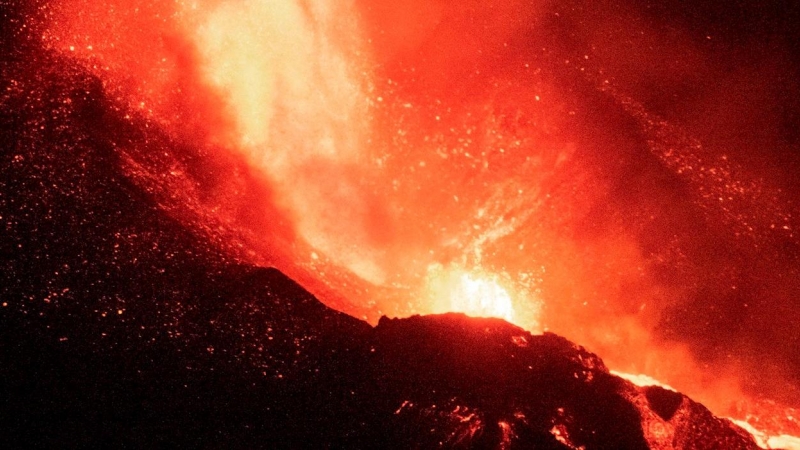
(456, 290)
(768, 441)
(640, 379)
(768, 434)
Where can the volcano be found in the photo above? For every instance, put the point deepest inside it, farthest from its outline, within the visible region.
(122, 327)
(163, 260)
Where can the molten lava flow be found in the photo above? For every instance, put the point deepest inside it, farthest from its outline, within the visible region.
(769, 440)
(643, 380)
(771, 426)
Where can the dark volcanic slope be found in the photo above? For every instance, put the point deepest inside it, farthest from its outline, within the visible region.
(117, 325)
(121, 328)
(483, 383)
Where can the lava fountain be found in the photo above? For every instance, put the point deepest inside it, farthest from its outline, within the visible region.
(459, 291)
(551, 165)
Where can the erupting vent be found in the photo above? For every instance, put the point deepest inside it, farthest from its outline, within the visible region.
(457, 290)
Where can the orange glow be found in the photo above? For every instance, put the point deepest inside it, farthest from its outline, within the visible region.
(452, 156)
(640, 379)
(559, 431)
(761, 424)
(459, 291)
(768, 441)
(293, 82)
